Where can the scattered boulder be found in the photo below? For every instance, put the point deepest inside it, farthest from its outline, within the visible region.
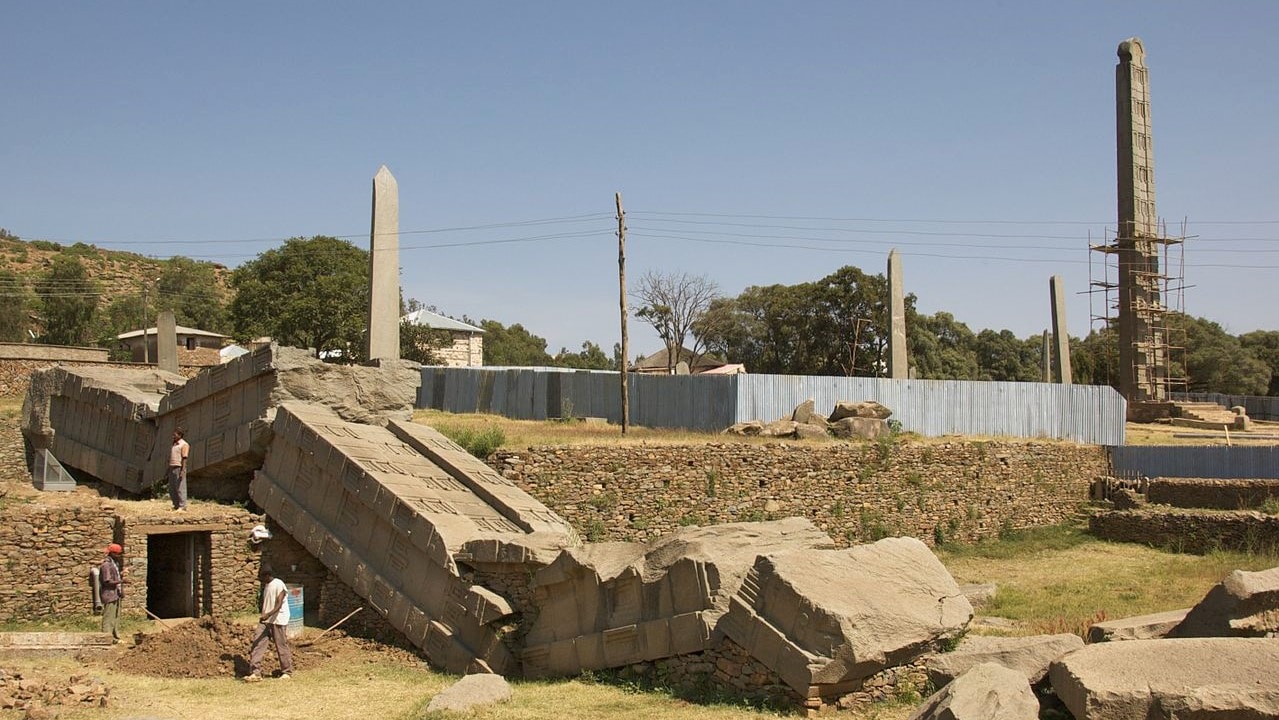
(986, 691)
(1029, 656)
(860, 427)
(749, 428)
(806, 431)
(1245, 604)
(827, 617)
(866, 409)
(780, 429)
(806, 414)
(472, 691)
(1140, 627)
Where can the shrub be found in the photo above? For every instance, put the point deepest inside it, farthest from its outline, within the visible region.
(480, 443)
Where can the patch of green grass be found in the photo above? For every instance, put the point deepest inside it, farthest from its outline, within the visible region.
(480, 442)
(1021, 543)
(1059, 579)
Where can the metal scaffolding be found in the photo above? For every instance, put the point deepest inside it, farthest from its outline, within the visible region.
(1155, 300)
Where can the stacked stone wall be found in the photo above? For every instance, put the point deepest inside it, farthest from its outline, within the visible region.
(1212, 493)
(856, 492)
(1193, 531)
(49, 550)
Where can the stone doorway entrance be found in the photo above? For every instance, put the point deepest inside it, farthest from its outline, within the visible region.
(179, 569)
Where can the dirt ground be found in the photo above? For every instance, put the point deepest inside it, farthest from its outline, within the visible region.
(212, 647)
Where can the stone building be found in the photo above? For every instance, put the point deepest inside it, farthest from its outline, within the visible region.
(193, 345)
(466, 348)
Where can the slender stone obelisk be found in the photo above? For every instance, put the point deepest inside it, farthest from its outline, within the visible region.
(1142, 347)
(166, 342)
(897, 365)
(1045, 360)
(1061, 341)
(384, 269)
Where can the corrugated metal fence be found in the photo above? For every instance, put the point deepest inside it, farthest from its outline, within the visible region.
(1248, 461)
(1084, 413)
(1258, 407)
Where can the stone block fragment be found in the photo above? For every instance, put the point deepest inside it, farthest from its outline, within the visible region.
(1243, 604)
(866, 409)
(822, 619)
(1029, 656)
(1140, 627)
(470, 692)
(1173, 678)
(859, 427)
(986, 691)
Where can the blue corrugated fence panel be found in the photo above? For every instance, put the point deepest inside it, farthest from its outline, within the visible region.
(1243, 461)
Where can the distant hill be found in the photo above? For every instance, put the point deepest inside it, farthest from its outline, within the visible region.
(118, 274)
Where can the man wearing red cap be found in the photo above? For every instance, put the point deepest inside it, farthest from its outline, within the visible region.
(111, 590)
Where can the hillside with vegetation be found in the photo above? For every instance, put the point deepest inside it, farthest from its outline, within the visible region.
(81, 294)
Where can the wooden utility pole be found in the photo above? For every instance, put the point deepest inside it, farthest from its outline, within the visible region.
(621, 283)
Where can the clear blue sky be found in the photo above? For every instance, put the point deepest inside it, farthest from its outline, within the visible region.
(215, 130)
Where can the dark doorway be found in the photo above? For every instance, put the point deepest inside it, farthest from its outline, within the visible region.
(179, 567)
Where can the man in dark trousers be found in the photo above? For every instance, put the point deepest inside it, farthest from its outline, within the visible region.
(272, 624)
(111, 590)
(177, 475)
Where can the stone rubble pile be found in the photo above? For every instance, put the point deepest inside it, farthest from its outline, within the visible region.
(33, 695)
(865, 420)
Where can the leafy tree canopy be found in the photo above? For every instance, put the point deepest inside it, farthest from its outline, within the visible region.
(512, 346)
(68, 299)
(15, 306)
(191, 290)
(1264, 345)
(591, 357)
(309, 292)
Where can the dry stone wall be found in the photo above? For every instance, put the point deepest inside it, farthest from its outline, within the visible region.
(1194, 531)
(1212, 493)
(856, 492)
(48, 551)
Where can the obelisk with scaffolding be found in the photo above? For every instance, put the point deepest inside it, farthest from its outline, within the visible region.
(1140, 249)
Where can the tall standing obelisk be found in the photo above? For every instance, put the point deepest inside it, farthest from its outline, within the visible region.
(1142, 347)
(384, 269)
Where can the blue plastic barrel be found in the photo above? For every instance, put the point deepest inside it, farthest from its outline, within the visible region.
(295, 610)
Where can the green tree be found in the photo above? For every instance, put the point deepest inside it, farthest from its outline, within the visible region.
(191, 290)
(1095, 359)
(1264, 345)
(422, 344)
(1215, 360)
(1002, 356)
(512, 346)
(942, 348)
(68, 298)
(307, 293)
(835, 326)
(15, 306)
(591, 357)
(123, 314)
